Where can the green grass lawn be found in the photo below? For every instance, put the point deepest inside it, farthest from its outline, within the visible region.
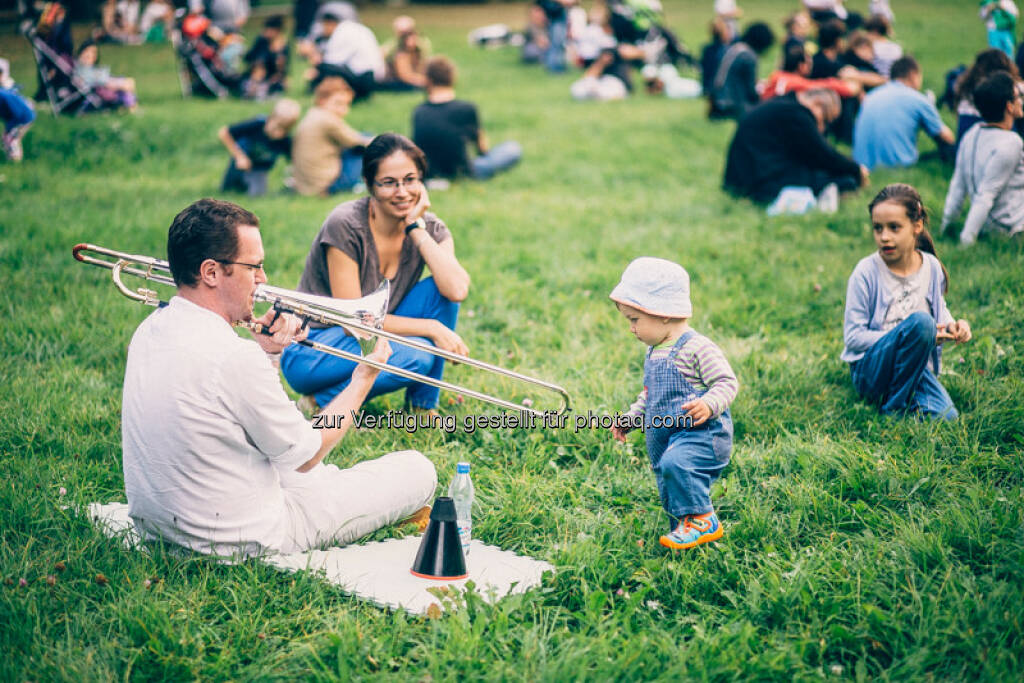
(855, 547)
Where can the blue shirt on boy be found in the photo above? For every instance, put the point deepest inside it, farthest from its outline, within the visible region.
(885, 133)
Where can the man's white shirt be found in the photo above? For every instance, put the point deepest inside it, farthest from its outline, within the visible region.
(206, 430)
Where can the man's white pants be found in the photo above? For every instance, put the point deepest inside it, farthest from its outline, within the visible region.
(329, 505)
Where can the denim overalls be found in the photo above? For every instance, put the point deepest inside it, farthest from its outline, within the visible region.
(685, 460)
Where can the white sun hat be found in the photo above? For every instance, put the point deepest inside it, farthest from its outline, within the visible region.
(655, 286)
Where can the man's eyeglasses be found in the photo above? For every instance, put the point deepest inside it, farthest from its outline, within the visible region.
(250, 266)
(389, 185)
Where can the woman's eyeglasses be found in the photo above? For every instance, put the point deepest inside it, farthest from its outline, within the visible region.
(391, 185)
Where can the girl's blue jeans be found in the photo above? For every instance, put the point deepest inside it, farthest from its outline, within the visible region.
(895, 372)
(324, 376)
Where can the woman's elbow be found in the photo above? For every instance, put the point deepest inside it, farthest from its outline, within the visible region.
(456, 291)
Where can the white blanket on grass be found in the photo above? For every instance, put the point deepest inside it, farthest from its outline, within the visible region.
(378, 572)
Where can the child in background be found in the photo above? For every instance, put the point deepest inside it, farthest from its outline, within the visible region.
(116, 91)
(896, 317)
(1000, 18)
(16, 111)
(255, 144)
(327, 155)
(688, 384)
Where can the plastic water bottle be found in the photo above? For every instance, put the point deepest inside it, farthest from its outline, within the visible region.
(461, 491)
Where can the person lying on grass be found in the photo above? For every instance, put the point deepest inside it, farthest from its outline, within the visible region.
(688, 386)
(896, 317)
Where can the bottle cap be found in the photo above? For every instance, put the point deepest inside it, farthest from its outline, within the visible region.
(462, 468)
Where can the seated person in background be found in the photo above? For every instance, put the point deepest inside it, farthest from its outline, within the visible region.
(796, 66)
(990, 164)
(711, 56)
(113, 90)
(535, 35)
(119, 23)
(255, 144)
(829, 61)
(782, 142)
(443, 126)
(861, 53)
(157, 21)
(823, 11)
(985, 64)
(730, 13)
(267, 60)
(351, 52)
(734, 89)
(217, 458)
(798, 28)
(878, 29)
(1000, 17)
(886, 130)
(326, 151)
(405, 57)
(391, 235)
(881, 8)
(605, 60)
(16, 111)
(229, 15)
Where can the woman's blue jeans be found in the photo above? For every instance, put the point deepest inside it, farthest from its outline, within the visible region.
(324, 376)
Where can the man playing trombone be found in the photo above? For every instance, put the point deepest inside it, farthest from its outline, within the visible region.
(216, 457)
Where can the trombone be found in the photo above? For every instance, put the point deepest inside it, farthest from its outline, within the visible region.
(362, 318)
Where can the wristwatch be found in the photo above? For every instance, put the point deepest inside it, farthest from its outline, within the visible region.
(418, 223)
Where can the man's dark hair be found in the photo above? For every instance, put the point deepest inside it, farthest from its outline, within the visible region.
(383, 146)
(759, 37)
(904, 67)
(830, 33)
(441, 71)
(794, 58)
(992, 94)
(330, 16)
(274, 21)
(206, 229)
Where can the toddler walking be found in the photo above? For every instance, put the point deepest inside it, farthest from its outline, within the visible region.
(688, 386)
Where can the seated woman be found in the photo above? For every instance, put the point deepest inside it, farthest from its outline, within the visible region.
(388, 235)
(405, 58)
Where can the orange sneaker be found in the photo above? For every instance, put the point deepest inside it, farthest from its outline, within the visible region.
(693, 531)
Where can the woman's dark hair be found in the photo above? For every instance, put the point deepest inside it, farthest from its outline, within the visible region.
(985, 63)
(759, 37)
(206, 229)
(383, 146)
(908, 197)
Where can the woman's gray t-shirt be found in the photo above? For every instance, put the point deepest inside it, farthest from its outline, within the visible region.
(348, 228)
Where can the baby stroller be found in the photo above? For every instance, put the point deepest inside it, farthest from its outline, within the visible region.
(65, 92)
(201, 71)
(642, 23)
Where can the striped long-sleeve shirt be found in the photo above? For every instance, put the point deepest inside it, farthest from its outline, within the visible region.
(705, 367)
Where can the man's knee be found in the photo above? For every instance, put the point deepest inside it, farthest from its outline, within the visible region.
(417, 465)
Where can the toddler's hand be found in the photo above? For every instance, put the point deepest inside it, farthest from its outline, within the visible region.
(619, 434)
(698, 411)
